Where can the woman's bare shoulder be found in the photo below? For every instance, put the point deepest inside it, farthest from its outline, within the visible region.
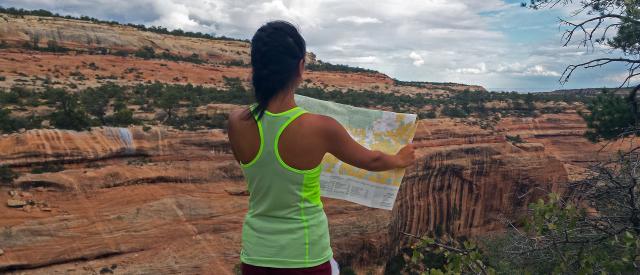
(240, 115)
(321, 122)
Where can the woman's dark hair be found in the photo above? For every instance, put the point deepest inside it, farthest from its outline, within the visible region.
(276, 51)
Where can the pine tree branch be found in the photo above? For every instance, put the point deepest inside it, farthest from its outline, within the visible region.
(594, 63)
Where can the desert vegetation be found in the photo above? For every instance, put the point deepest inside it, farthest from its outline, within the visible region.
(325, 66)
(111, 105)
(176, 104)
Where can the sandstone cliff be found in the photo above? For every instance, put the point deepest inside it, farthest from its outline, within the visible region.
(170, 201)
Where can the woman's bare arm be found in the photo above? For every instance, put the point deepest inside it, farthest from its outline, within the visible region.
(340, 144)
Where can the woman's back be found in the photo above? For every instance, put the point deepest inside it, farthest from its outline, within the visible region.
(302, 145)
(285, 225)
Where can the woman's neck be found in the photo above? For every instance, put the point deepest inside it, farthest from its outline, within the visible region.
(282, 102)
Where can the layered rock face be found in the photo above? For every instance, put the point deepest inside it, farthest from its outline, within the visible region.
(470, 181)
(85, 35)
(131, 201)
(463, 191)
(165, 201)
(159, 200)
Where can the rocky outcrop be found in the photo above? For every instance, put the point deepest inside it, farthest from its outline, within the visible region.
(102, 144)
(90, 36)
(470, 181)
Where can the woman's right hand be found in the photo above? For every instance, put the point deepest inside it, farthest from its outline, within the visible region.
(406, 156)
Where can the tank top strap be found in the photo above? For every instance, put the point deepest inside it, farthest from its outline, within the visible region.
(274, 124)
(292, 115)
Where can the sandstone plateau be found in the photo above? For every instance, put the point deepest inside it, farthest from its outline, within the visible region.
(85, 38)
(156, 200)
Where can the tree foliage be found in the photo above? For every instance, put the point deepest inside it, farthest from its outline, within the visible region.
(69, 115)
(431, 256)
(614, 24)
(8, 124)
(325, 66)
(7, 175)
(593, 228)
(95, 102)
(608, 117)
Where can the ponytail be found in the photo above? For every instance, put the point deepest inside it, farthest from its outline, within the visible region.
(276, 51)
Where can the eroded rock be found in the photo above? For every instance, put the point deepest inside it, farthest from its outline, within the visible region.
(237, 192)
(15, 203)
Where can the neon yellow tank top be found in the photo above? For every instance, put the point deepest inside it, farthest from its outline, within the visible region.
(286, 226)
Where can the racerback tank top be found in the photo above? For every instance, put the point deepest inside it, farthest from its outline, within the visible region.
(286, 226)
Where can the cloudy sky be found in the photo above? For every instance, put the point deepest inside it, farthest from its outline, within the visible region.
(494, 43)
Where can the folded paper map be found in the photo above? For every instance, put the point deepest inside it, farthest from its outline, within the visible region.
(375, 130)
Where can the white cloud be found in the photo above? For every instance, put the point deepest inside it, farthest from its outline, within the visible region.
(539, 70)
(479, 69)
(359, 20)
(523, 70)
(357, 60)
(510, 68)
(620, 78)
(417, 59)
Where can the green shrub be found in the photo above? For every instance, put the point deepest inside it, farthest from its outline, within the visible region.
(456, 112)
(121, 53)
(69, 114)
(71, 120)
(145, 52)
(427, 115)
(121, 118)
(95, 102)
(609, 116)
(139, 161)
(9, 98)
(47, 168)
(7, 175)
(9, 124)
(325, 66)
(53, 46)
(439, 256)
(514, 139)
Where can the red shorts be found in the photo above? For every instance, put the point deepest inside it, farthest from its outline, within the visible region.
(323, 269)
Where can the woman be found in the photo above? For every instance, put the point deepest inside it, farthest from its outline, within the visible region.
(280, 147)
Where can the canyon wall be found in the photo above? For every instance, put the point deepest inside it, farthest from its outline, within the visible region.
(165, 201)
